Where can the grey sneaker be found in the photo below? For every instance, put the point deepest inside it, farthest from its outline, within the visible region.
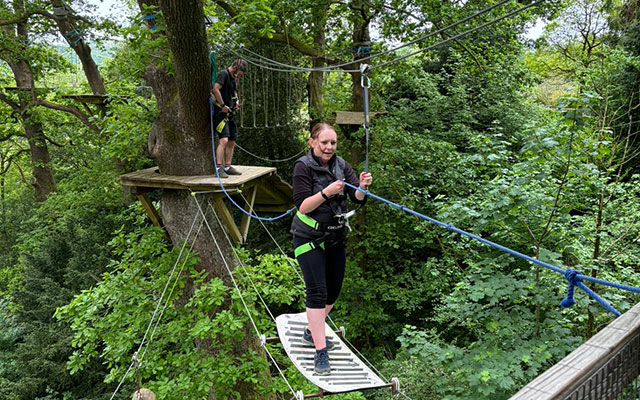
(221, 173)
(232, 171)
(321, 363)
(308, 339)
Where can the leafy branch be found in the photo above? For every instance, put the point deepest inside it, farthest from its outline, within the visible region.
(68, 109)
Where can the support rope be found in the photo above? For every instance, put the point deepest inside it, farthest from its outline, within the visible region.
(134, 359)
(578, 277)
(267, 159)
(235, 284)
(365, 82)
(241, 263)
(460, 35)
(175, 283)
(337, 67)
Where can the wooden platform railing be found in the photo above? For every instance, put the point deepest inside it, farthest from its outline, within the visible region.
(606, 367)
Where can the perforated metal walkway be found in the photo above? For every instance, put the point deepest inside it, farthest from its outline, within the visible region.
(348, 372)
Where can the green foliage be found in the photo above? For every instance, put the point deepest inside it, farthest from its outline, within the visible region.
(190, 348)
(127, 125)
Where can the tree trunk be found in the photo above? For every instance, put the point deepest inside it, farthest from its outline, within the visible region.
(180, 140)
(591, 322)
(316, 88)
(43, 180)
(82, 50)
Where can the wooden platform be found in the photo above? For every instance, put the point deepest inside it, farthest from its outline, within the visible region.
(263, 189)
(355, 117)
(348, 372)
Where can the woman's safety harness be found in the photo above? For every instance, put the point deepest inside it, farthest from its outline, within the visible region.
(334, 209)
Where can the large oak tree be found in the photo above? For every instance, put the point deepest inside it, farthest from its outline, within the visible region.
(180, 140)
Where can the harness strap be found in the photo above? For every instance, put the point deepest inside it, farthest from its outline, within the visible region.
(308, 220)
(307, 247)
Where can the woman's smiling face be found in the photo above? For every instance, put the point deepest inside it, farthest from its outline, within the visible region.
(324, 145)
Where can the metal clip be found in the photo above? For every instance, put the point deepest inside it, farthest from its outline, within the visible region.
(344, 218)
(364, 70)
(135, 360)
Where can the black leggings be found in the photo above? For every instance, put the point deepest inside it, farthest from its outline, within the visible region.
(323, 271)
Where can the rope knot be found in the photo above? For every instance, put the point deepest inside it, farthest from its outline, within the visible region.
(573, 279)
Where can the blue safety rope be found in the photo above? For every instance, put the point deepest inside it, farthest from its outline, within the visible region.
(573, 277)
(213, 148)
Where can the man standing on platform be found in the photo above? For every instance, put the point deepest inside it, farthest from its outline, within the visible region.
(226, 103)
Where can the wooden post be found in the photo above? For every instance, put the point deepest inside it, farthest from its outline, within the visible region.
(227, 218)
(148, 206)
(244, 225)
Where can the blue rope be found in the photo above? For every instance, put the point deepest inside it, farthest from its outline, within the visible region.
(213, 148)
(573, 277)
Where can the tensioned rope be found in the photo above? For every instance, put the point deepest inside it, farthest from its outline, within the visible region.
(458, 36)
(335, 67)
(365, 82)
(296, 394)
(242, 264)
(264, 62)
(213, 148)
(574, 277)
(267, 159)
(175, 283)
(134, 359)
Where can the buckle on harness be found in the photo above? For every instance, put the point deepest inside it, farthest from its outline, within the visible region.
(344, 218)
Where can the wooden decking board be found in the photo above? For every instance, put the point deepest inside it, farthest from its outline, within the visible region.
(151, 178)
(528, 393)
(269, 191)
(551, 381)
(608, 337)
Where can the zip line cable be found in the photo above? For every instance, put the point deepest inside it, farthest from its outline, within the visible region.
(458, 36)
(134, 358)
(337, 67)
